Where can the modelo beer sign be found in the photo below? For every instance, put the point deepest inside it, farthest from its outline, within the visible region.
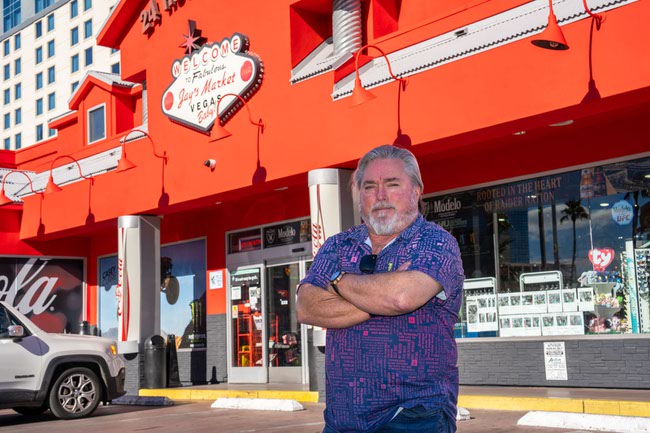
(287, 234)
(202, 77)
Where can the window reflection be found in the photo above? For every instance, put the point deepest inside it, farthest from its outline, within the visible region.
(588, 225)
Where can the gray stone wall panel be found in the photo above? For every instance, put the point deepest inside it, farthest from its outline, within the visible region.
(592, 362)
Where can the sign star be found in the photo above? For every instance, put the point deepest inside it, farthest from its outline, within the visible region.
(193, 39)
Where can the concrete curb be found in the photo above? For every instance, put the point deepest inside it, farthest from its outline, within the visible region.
(571, 405)
(213, 394)
(583, 421)
(489, 402)
(275, 404)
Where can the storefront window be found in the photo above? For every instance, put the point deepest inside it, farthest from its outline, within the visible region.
(182, 297)
(573, 231)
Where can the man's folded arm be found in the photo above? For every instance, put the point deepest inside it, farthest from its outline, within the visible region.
(389, 293)
(319, 307)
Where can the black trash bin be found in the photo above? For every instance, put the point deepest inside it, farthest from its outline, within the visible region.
(155, 362)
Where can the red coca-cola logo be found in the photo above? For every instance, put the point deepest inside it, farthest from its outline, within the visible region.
(246, 71)
(168, 102)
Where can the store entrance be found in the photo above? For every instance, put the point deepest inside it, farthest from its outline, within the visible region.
(267, 344)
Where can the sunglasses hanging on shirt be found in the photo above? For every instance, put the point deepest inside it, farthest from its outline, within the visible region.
(368, 263)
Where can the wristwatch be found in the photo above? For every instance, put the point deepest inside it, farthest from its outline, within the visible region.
(334, 280)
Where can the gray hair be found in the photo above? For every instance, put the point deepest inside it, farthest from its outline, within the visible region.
(391, 152)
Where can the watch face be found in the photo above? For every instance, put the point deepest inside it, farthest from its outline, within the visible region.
(335, 275)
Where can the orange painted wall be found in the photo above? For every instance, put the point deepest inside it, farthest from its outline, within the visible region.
(10, 243)
(460, 118)
(211, 222)
(506, 85)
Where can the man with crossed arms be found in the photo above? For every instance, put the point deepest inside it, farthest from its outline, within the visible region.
(388, 291)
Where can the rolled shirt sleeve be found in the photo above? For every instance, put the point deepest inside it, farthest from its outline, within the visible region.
(438, 256)
(324, 265)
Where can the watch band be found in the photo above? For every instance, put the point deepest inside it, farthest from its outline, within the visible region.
(334, 283)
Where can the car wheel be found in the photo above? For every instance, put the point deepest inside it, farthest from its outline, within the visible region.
(75, 394)
(30, 411)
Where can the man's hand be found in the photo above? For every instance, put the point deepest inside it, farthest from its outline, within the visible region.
(319, 307)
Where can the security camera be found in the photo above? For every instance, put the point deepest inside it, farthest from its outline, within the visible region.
(210, 163)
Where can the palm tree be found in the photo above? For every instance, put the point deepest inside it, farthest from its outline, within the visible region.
(574, 212)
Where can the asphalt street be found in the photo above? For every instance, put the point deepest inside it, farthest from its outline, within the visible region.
(200, 418)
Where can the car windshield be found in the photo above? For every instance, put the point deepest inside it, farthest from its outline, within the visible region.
(4, 323)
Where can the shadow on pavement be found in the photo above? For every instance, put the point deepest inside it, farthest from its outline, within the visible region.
(10, 418)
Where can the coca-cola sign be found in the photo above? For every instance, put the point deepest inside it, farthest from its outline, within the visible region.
(205, 75)
(48, 291)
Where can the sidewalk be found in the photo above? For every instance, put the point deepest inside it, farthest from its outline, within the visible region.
(577, 400)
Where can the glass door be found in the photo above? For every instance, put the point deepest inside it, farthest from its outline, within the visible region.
(248, 355)
(285, 334)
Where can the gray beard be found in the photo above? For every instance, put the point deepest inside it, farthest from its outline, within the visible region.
(394, 224)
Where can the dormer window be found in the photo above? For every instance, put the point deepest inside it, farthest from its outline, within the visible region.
(97, 123)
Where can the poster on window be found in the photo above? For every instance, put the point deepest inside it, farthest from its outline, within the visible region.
(569, 300)
(520, 326)
(554, 301)
(540, 302)
(512, 303)
(586, 299)
(481, 312)
(182, 297)
(48, 291)
(107, 322)
(563, 324)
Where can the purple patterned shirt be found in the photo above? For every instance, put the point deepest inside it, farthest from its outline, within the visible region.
(385, 363)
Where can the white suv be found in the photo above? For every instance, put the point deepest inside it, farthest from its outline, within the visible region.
(69, 374)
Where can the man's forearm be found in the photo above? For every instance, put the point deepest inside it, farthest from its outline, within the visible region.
(389, 293)
(319, 307)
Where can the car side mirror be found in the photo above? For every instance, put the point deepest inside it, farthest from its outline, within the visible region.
(16, 331)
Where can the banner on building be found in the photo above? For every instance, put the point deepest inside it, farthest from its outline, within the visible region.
(48, 291)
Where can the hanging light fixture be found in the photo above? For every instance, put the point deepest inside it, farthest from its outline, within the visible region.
(124, 163)
(51, 186)
(552, 37)
(219, 132)
(599, 18)
(4, 200)
(360, 95)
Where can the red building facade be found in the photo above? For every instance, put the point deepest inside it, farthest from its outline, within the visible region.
(510, 136)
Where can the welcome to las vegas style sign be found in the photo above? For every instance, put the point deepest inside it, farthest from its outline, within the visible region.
(204, 76)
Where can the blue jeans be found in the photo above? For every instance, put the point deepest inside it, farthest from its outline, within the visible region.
(416, 420)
